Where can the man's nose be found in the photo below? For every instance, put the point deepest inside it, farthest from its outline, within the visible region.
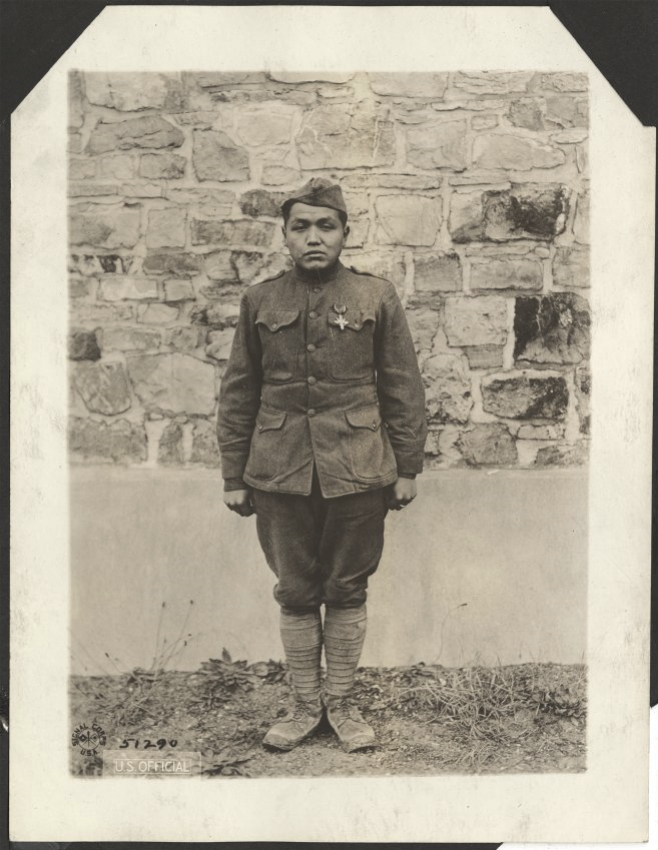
(313, 236)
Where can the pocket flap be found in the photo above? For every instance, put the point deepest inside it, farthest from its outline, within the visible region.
(274, 320)
(270, 420)
(364, 417)
(354, 319)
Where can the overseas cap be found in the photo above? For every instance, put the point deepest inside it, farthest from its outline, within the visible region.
(318, 192)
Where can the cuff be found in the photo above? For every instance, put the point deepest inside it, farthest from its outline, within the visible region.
(410, 475)
(234, 484)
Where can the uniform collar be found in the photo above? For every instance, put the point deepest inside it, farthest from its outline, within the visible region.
(316, 276)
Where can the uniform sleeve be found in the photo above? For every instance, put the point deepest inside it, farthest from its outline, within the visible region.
(239, 397)
(399, 385)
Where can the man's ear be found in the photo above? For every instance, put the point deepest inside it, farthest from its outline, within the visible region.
(283, 230)
(346, 231)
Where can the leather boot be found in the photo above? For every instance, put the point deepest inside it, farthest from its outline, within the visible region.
(303, 719)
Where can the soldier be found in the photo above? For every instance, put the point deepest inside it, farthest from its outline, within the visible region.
(321, 430)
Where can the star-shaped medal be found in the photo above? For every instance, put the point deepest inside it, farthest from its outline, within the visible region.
(342, 322)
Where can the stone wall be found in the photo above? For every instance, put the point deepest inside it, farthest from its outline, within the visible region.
(468, 190)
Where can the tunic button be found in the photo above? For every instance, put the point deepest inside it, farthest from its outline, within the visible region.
(311, 411)
(312, 380)
(312, 315)
(310, 347)
(317, 289)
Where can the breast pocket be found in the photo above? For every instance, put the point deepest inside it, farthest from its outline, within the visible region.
(352, 348)
(280, 343)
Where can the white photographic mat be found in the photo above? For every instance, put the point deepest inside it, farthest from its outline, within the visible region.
(609, 800)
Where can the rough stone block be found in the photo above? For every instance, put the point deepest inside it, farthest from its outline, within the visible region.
(484, 356)
(258, 202)
(552, 329)
(166, 166)
(122, 441)
(527, 113)
(380, 264)
(131, 91)
(244, 232)
(179, 289)
(129, 339)
(219, 344)
(492, 82)
(583, 382)
(333, 137)
(173, 383)
(217, 316)
(209, 202)
(423, 323)
(567, 111)
(166, 228)
(484, 122)
(98, 315)
(79, 287)
(170, 446)
(566, 454)
(581, 221)
(564, 82)
(408, 219)
(183, 338)
(204, 444)
(119, 167)
(95, 264)
(410, 182)
(488, 444)
(310, 77)
(178, 264)
(74, 143)
(83, 345)
(88, 189)
(104, 225)
(540, 432)
(571, 267)
(142, 190)
(252, 266)
(439, 144)
(523, 396)
(76, 115)
(408, 85)
(103, 386)
(121, 288)
(476, 321)
(507, 273)
(279, 175)
(526, 211)
(437, 273)
(448, 389)
(147, 131)
(265, 127)
(516, 153)
(216, 157)
(158, 314)
(82, 169)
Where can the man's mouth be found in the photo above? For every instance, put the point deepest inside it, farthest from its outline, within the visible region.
(314, 254)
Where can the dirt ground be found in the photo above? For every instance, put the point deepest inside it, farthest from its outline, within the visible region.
(429, 720)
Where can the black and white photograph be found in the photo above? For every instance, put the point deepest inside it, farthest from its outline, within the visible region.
(327, 376)
(306, 290)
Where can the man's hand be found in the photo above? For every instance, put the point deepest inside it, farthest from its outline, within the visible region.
(239, 501)
(402, 493)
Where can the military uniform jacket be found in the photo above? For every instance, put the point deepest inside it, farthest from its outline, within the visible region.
(321, 374)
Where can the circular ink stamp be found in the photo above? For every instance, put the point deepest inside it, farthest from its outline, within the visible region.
(88, 738)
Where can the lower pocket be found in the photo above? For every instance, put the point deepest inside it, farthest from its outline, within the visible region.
(266, 445)
(370, 451)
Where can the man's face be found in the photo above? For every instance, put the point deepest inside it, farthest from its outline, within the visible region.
(314, 236)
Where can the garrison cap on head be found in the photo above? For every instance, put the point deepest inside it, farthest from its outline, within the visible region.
(318, 192)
